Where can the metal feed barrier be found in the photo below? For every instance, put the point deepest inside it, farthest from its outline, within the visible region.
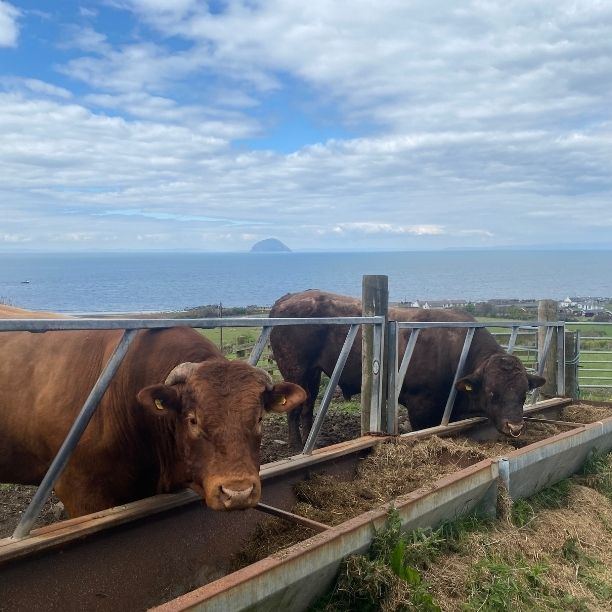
(130, 327)
(396, 371)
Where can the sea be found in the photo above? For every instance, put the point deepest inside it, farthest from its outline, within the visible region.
(162, 282)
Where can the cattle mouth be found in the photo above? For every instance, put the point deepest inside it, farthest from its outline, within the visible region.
(513, 430)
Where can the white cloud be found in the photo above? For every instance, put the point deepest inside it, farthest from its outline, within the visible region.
(39, 87)
(412, 64)
(474, 124)
(9, 29)
(388, 228)
(15, 238)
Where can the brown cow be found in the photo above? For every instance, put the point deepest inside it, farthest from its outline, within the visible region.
(495, 384)
(177, 414)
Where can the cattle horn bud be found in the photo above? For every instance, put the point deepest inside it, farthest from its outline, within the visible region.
(181, 372)
(265, 378)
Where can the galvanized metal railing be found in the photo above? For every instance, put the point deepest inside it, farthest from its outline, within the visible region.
(130, 328)
(397, 370)
(594, 356)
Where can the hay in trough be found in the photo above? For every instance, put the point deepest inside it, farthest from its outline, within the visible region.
(585, 413)
(393, 468)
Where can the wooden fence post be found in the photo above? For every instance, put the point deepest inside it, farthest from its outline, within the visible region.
(548, 311)
(375, 302)
(241, 349)
(572, 343)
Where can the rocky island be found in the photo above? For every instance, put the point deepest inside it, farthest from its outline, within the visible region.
(270, 245)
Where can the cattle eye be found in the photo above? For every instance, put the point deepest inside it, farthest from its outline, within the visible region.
(193, 420)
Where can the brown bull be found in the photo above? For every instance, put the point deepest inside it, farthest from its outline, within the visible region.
(495, 383)
(177, 414)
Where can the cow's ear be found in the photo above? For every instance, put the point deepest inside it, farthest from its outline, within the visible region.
(468, 384)
(283, 397)
(535, 381)
(160, 399)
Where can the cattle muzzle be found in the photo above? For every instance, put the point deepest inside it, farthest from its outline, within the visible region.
(233, 494)
(236, 499)
(513, 428)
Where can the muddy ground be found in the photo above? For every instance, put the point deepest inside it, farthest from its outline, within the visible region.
(340, 425)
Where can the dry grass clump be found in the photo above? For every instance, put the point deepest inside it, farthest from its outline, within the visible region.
(562, 559)
(585, 413)
(369, 584)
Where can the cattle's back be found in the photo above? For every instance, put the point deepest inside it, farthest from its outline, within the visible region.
(299, 349)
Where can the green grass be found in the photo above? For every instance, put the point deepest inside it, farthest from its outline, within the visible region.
(497, 584)
(231, 335)
(597, 472)
(586, 569)
(524, 510)
(391, 575)
(591, 329)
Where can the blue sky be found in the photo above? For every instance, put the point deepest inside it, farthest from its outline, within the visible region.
(387, 124)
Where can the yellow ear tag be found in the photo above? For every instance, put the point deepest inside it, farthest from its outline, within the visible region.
(159, 405)
(283, 401)
(468, 387)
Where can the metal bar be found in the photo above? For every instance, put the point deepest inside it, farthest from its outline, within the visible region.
(553, 422)
(74, 435)
(533, 326)
(377, 377)
(293, 518)
(260, 345)
(596, 361)
(453, 391)
(560, 360)
(595, 352)
(42, 325)
(329, 390)
(414, 336)
(392, 367)
(512, 340)
(595, 386)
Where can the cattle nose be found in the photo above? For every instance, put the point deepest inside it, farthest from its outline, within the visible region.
(514, 429)
(232, 498)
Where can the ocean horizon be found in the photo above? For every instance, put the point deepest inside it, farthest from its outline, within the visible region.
(152, 282)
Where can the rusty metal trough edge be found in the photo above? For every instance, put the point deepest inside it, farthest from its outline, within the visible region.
(293, 578)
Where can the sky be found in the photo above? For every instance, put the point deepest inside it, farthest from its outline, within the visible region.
(346, 125)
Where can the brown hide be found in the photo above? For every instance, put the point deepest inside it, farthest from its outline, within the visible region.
(499, 381)
(206, 436)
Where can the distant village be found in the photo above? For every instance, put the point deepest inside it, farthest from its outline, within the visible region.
(571, 308)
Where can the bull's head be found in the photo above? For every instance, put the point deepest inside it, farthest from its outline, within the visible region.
(216, 408)
(497, 389)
